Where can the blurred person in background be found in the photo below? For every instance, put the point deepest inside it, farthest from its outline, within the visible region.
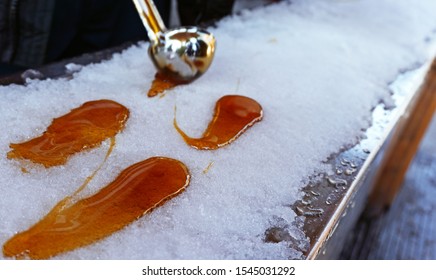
(37, 32)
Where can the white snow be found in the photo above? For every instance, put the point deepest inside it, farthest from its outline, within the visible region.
(317, 67)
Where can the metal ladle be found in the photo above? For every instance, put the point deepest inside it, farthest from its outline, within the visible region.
(182, 54)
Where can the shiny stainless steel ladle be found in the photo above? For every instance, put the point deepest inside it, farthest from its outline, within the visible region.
(183, 54)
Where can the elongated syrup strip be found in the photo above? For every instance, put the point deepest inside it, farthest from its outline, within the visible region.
(90, 177)
(233, 115)
(136, 191)
(83, 128)
(160, 84)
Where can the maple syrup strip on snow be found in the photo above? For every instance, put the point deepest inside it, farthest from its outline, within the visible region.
(136, 191)
(90, 177)
(160, 84)
(83, 128)
(233, 115)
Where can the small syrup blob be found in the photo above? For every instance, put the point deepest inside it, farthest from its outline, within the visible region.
(136, 191)
(160, 84)
(233, 115)
(83, 128)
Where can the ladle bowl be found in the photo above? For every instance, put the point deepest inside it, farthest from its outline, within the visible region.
(182, 54)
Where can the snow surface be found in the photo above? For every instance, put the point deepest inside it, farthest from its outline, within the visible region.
(317, 67)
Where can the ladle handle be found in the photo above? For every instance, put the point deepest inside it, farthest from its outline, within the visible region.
(150, 17)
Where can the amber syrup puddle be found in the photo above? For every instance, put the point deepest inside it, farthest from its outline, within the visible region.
(160, 84)
(136, 191)
(83, 128)
(233, 115)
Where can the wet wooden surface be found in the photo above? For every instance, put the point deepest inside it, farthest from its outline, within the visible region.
(408, 229)
(404, 145)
